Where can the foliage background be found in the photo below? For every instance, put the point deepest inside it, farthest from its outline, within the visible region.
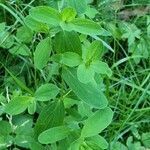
(126, 29)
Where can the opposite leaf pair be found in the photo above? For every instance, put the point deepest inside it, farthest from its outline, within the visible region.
(19, 104)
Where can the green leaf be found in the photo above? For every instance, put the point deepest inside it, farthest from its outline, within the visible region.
(86, 92)
(5, 141)
(79, 5)
(51, 115)
(131, 33)
(32, 108)
(36, 25)
(118, 146)
(76, 144)
(5, 128)
(97, 142)
(101, 67)
(24, 34)
(18, 81)
(18, 105)
(84, 109)
(69, 102)
(42, 53)
(146, 139)
(45, 14)
(36, 146)
(70, 59)
(46, 92)
(23, 140)
(53, 134)
(93, 52)
(2, 26)
(6, 40)
(23, 124)
(21, 49)
(114, 30)
(67, 41)
(97, 123)
(68, 14)
(85, 73)
(103, 42)
(86, 26)
(91, 12)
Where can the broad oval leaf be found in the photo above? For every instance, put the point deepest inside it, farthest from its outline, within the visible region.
(42, 53)
(70, 59)
(86, 92)
(18, 105)
(51, 115)
(67, 41)
(46, 92)
(86, 26)
(46, 14)
(85, 73)
(53, 134)
(97, 123)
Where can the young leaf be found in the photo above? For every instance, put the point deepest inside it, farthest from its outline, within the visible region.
(51, 115)
(46, 14)
(46, 92)
(85, 73)
(68, 14)
(86, 92)
(86, 26)
(42, 52)
(97, 123)
(93, 52)
(67, 41)
(53, 135)
(18, 105)
(70, 59)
